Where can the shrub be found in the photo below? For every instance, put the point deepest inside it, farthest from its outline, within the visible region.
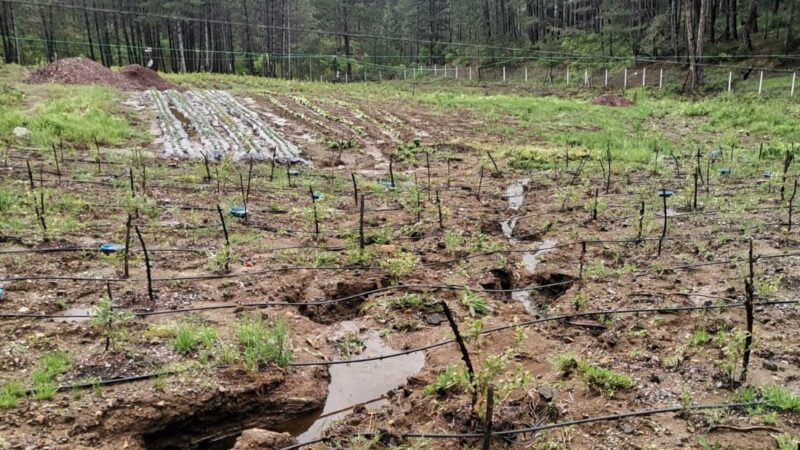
(264, 342)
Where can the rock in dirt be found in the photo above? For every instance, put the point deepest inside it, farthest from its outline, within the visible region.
(771, 366)
(611, 100)
(260, 439)
(547, 393)
(85, 71)
(21, 132)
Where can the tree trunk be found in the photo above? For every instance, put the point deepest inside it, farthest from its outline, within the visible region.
(694, 12)
(750, 24)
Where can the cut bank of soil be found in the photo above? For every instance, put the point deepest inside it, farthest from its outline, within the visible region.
(612, 100)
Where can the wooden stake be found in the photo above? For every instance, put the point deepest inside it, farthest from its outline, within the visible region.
(608, 173)
(127, 245)
(272, 169)
(208, 170)
(594, 207)
(694, 200)
(496, 169)
(461, 346)
(428, 165)
(664, 228)
(480, 184)
(146, 265)
(439, 207)
(355, 187)
(244, 196)
(391, 170)
(787, 162)
(314, 205)
(749, 289)
(30, 175)
(97, 155)
(55, 158)
(111, 308)
(224, 226)
(487, 431)
(791, 204)
(361, 241)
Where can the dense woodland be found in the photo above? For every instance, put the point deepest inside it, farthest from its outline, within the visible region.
(290, 38)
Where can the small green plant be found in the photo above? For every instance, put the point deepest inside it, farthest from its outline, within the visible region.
(453, 241)
(732, 345)
(399, 264)
(786, 441)
(700, 337)
(419, 302)
(705, 445)
(220, 261)
(50, 366)
(602, 380)
(191, 336)
(263, 342)
(350, 344)
(477, 305)
(10, 392)
(110, 322)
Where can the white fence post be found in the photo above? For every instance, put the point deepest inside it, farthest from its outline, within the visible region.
(415, 73)
(470, 73)
(730, 81)
(504, 73)
(567, 76)
(605, 82)
(660, 78)
(526, 74)
(625, 79)
(456, 72)
(644, 76)
(404, 74)
(760, 81)
(586, 77)
(794, 75)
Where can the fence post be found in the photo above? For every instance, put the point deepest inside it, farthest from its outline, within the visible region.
(567, 76)
(730, 80)
(605, 82)
(586, 77)
(644, 76)
(625, 79)
(794, 75)
(760, 81)
(470, 73)
(487, 432)
(435, 71)
(526, 78)
(445, 71)
(504, 74)
(661, 78)
(456, 72)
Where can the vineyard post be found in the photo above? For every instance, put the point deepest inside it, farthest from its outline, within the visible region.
(461, 346)
(480, 183)
(791, 204)
(97, 154)
(361, 241)
(111, 311)
(146, 265)
(249, 177)
(439, 207)
(664, 228)
(732, 148)
(608, 174)
(786, 163)
(487, 431)
(749, 288)
(272, 168)
(694, 199)
(699, 168)
(144, 179)
(133, 190)
(494, 163)
(708, 177)
(39, 209)
(208, 170)
(391, 170)
(594, 205)
(227, 240)
(55, 158)
(61, 149)
(244, 197)
(760, 151)
(30, 175)
(581, 261)
(641, 222)
(314, 206)
(428, 165)
(355, 187)
(419, 207)
(127, 246)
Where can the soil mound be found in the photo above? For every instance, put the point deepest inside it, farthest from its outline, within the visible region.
(85, 71)
(80, 71)
(146, 78)
(612, 100)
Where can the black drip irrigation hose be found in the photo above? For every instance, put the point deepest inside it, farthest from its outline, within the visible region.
(434, 345)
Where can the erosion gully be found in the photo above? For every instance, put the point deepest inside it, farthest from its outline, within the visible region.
(350, 384)
(515, 194)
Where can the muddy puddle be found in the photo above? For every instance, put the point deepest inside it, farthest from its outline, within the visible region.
(351, 384)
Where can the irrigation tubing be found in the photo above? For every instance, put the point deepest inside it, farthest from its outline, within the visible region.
(440, 343)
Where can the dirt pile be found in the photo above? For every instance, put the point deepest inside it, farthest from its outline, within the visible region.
(146, 78)
(611, 100)
(85, 71)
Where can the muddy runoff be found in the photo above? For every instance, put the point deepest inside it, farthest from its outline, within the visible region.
(303, 405)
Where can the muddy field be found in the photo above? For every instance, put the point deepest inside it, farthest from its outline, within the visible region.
(578, 294)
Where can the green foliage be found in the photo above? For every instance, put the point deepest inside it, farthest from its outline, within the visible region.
(700, 337)
(190, 336)
(786, 441)
(399, 264)
(454, 377)
(109, 322)
(220, 261)
(732, 345)
(350, 344)
(419, 302)
(10, 392)
(599, 379)
(50, 366)
(477, 305)
(264, 342)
